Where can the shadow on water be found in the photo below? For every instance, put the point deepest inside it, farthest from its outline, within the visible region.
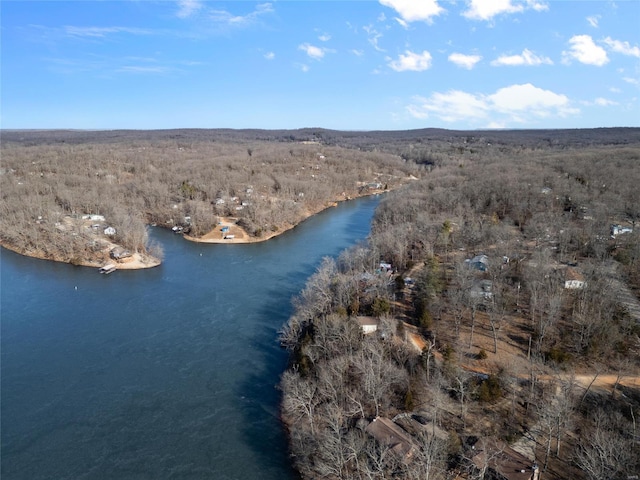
(263, 430)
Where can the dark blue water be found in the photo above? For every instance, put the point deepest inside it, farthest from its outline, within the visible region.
(162, 373)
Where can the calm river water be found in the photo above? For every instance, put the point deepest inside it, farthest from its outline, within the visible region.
(157, 374)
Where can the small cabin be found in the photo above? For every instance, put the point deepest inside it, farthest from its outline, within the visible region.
(368, 324)
(119, 253)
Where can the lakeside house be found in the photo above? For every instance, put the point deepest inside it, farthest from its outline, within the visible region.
(390, 435)
(503, 462)
(368, 324)
(479, 262)
(119, 253)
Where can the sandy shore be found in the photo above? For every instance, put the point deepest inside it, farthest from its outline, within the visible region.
(241, 236)
(136, 262)
(235, 234)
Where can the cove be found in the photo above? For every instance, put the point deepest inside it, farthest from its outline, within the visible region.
(167, 373)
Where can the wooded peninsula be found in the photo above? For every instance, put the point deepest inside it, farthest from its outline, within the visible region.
(489, 328)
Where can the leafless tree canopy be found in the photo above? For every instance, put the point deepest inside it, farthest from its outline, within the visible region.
(174, 178)
(518, 326)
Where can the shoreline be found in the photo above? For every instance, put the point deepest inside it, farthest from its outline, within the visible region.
(242, 237)
(140, 261)
(137, 261)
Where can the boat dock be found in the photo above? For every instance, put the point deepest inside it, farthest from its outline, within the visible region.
(107, 269)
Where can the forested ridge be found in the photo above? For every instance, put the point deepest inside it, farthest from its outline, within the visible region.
(503, 290)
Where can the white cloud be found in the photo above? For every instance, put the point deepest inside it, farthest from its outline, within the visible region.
(526, 58)
(487, 9)
(537, 5)
(584, 50)
(102, 32)
(593, 20)
(603, 102)
(357, 53)
(188, 7)
(622, 47)
(225, 17)
(314, 52)
(415, 62)
(402, 23)
(528, 98)
(143, 69)
(515, 104)
(451, 106)
(415, 10)
(325, 37)
(631, 80)
(269, 55)
(464, 61)
(373, 36)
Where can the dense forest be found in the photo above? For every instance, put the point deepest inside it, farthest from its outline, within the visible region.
(490, 326)
(73, 195)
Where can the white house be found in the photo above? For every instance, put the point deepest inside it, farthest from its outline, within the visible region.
(109, 231)
(619, 230)
(573, 280)
(367, 324)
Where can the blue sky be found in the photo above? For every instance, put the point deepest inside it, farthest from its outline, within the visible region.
(356, 65)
